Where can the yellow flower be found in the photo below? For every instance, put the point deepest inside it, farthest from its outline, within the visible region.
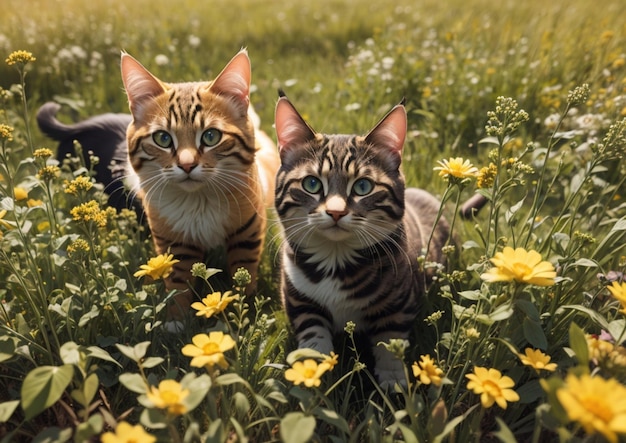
(31, 202)
(307, 372)
(80, 183)
(3, 222)
(49, 172)
(43, 153)
(492, 387)
(486, 176)
(88, 212)
(6, 132)
(428, 371)
(169, 395)
(522, 266)
(330, 360)
(20, 193)
(618, 291)
(157, 267)
(456, 167)
(126, 433)
(21, 57)
(599, 405)
(208, 350)
(213, 303)
(598, 349)
(537, 360)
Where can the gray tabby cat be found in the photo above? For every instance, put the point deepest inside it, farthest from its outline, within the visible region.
(352, 235)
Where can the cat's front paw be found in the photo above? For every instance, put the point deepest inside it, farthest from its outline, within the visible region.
(390, 376)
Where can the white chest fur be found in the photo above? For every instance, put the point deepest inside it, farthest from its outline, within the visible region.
(329, 294)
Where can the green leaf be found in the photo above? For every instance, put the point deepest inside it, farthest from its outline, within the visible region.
(453, 424)
(153, 418)
(593, 315)
(198, 387)
(504, 434)
(134, 353)
(229, 379)
(43, 386)
(332, 418)
(134, 383)
(300, 354)
(151, 362)
(70, 353)
(241, 403)
(92, 427)
(6, 410)
(8, 345)
(578, 344)
(533, 332)
(87, 317)
(585, 262)
(295, 427)
(53, 435)
(96, 352)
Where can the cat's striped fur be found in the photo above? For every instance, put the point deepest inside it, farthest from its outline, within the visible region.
(204, 173)
(352, 234)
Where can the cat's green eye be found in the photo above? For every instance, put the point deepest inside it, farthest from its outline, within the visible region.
(312, 184)
(211, 137)
(163, 139)
(362, 186)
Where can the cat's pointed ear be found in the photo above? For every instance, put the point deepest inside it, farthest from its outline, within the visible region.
(234, 80)
(390, 132)
(141, 86)
(291, 129)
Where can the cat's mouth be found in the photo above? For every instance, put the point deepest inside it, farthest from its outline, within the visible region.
(336, 232)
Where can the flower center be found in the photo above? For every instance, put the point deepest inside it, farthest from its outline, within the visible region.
(521, 270)
(309, 372)
(492, 388)
(211, 348)
(598, 407)
(170, 397)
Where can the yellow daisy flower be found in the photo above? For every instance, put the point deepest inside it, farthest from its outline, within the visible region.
(307, 372)
(330, 360)
(599, 405)
(492, 387)
(522, 266)
(213, 303)
(127, 433)
(427, 371)
(20, 193)
(157, 267)
(456, 167)
(618, 291)
(208, 350)
(537, 360)
(169, 395)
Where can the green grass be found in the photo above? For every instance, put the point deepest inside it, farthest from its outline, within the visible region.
(80, 342)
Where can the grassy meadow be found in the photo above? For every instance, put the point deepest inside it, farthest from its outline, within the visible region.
(521, 337)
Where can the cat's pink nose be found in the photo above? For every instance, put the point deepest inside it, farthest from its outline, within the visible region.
(336, 215)
(187, 167)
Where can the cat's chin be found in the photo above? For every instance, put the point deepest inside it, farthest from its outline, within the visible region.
(190, 185)
(335, 233)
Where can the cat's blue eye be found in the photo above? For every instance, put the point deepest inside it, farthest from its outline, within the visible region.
(362, 186)
(163, 139)
(312, 184)
(211, 137)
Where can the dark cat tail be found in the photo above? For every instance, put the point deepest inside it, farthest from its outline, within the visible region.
(49, 125)
(473, 205)
(104, 136)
